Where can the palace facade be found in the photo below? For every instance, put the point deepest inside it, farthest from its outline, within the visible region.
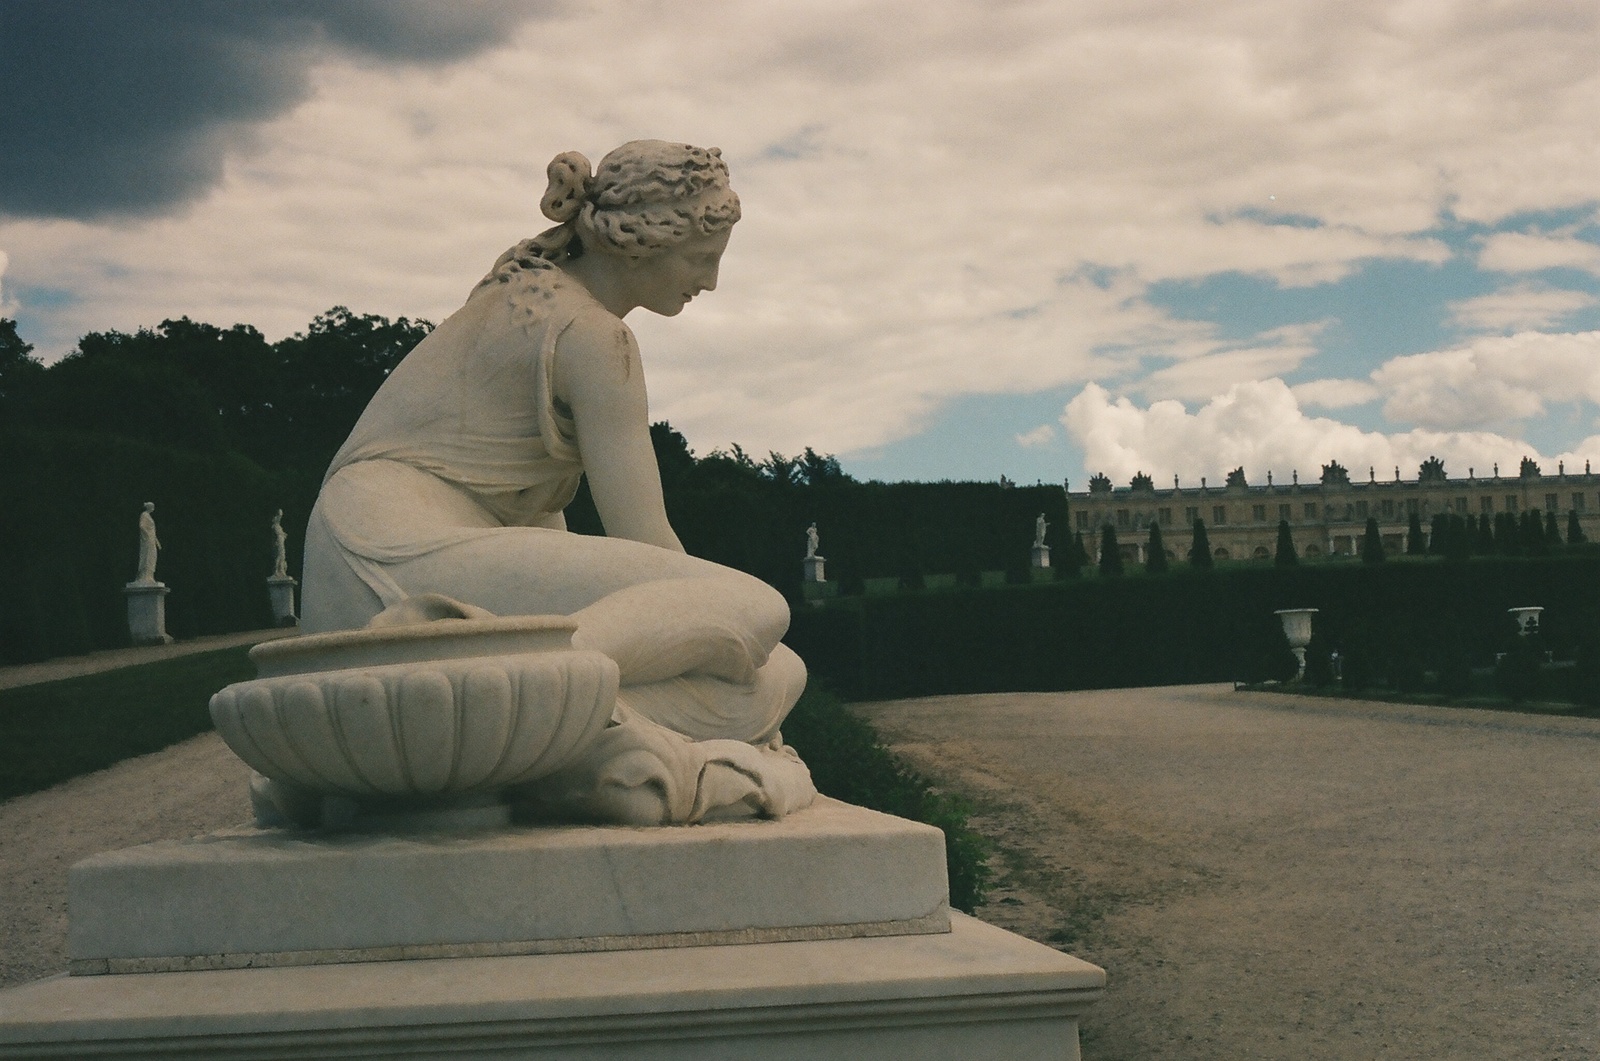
(1327, 517)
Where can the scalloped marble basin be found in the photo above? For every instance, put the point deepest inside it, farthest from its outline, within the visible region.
(440, 708)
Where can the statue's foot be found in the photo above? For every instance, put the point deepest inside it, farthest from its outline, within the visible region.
(639, 773)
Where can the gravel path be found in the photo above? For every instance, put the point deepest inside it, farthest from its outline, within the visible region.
(1272, 877)
(195, 787)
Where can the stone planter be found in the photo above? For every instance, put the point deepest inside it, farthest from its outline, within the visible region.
(1297, 628)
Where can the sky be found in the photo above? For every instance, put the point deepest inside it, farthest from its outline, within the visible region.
(1031, 239)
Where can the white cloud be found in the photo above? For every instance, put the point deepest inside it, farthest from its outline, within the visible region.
(1334, 393)
(1493, 380)
(1518, 252)
(939, 199)
(1261, 427)
(1042, 435)
(8, 306)
(1521, 307)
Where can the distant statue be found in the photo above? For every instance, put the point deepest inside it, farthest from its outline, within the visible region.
(280, 540)
(149, 546)
(812, 542)
(1039, 527)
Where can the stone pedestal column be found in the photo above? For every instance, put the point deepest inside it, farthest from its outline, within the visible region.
(813, 569)
(281, 589)
(147, 613)
(1041, 556)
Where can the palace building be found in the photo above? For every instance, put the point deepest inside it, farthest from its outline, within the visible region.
(1327, 517)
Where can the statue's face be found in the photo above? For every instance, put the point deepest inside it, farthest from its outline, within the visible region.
(666, 281)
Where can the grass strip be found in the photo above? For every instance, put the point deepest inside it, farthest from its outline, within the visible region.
(57, 730)
(848, 763)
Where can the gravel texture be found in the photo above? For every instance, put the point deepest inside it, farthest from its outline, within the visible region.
(1268, 876)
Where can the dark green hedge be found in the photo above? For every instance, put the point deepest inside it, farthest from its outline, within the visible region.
(58, 730)
(1187, 626)
(70, 536)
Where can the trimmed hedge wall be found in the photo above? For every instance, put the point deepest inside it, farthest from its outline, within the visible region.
(1187, 626)
(70, 538)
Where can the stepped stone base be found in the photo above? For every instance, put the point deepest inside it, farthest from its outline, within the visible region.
(974, 992)
(826, 935)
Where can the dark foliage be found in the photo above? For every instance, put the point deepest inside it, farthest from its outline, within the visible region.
(1200, 547)
(1416, 542)
(848, 763)
(1110, 551)
(1372, 544)
(56, 731)
(1285, 555)
(1210, 626)
(1155, 552)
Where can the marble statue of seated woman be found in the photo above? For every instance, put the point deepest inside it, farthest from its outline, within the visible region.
(454, 480)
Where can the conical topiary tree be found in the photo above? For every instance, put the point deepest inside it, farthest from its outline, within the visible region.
(1486, 539)
(1200, 550)
(1080, 554)
(1552, 532)
(1372, 543)
(1575, 535)
(1110, 552)
(1458, 539)
(1416, 543)
(1155, 557)
(1285, 556)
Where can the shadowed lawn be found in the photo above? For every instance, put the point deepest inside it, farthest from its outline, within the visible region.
(58, 730)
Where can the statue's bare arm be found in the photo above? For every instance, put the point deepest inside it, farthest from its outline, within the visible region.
(599, 377)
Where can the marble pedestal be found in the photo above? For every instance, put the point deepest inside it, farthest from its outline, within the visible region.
(1041, 556)
(280, 588)
(815, 569)
(147, 612)
(825, 935)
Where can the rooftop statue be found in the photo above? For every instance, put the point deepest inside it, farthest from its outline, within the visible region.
(450, 491)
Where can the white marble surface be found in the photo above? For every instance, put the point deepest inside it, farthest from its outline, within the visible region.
(147, 613)
(269, 897)
(975, 992)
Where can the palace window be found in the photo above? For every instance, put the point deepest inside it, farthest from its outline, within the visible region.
(1258, 513)
(1190, 515)
(1311, 510)
(1361, 510)
(1511, 502)
(1122, 518)
(1486, 504)
(1388, 509)
(1577, 502)
(1413, 506)
(1083, 521)
(1283, 513)
(1219, 514)
(1165, 516)
(1551, 501)
(1461, 506)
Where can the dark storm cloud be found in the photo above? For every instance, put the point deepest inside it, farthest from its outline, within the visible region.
(109, 107)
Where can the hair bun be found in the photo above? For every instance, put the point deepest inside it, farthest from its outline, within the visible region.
(570, 180)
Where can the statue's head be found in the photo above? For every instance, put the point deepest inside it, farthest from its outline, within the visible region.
(149, 506)
(644, 197)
